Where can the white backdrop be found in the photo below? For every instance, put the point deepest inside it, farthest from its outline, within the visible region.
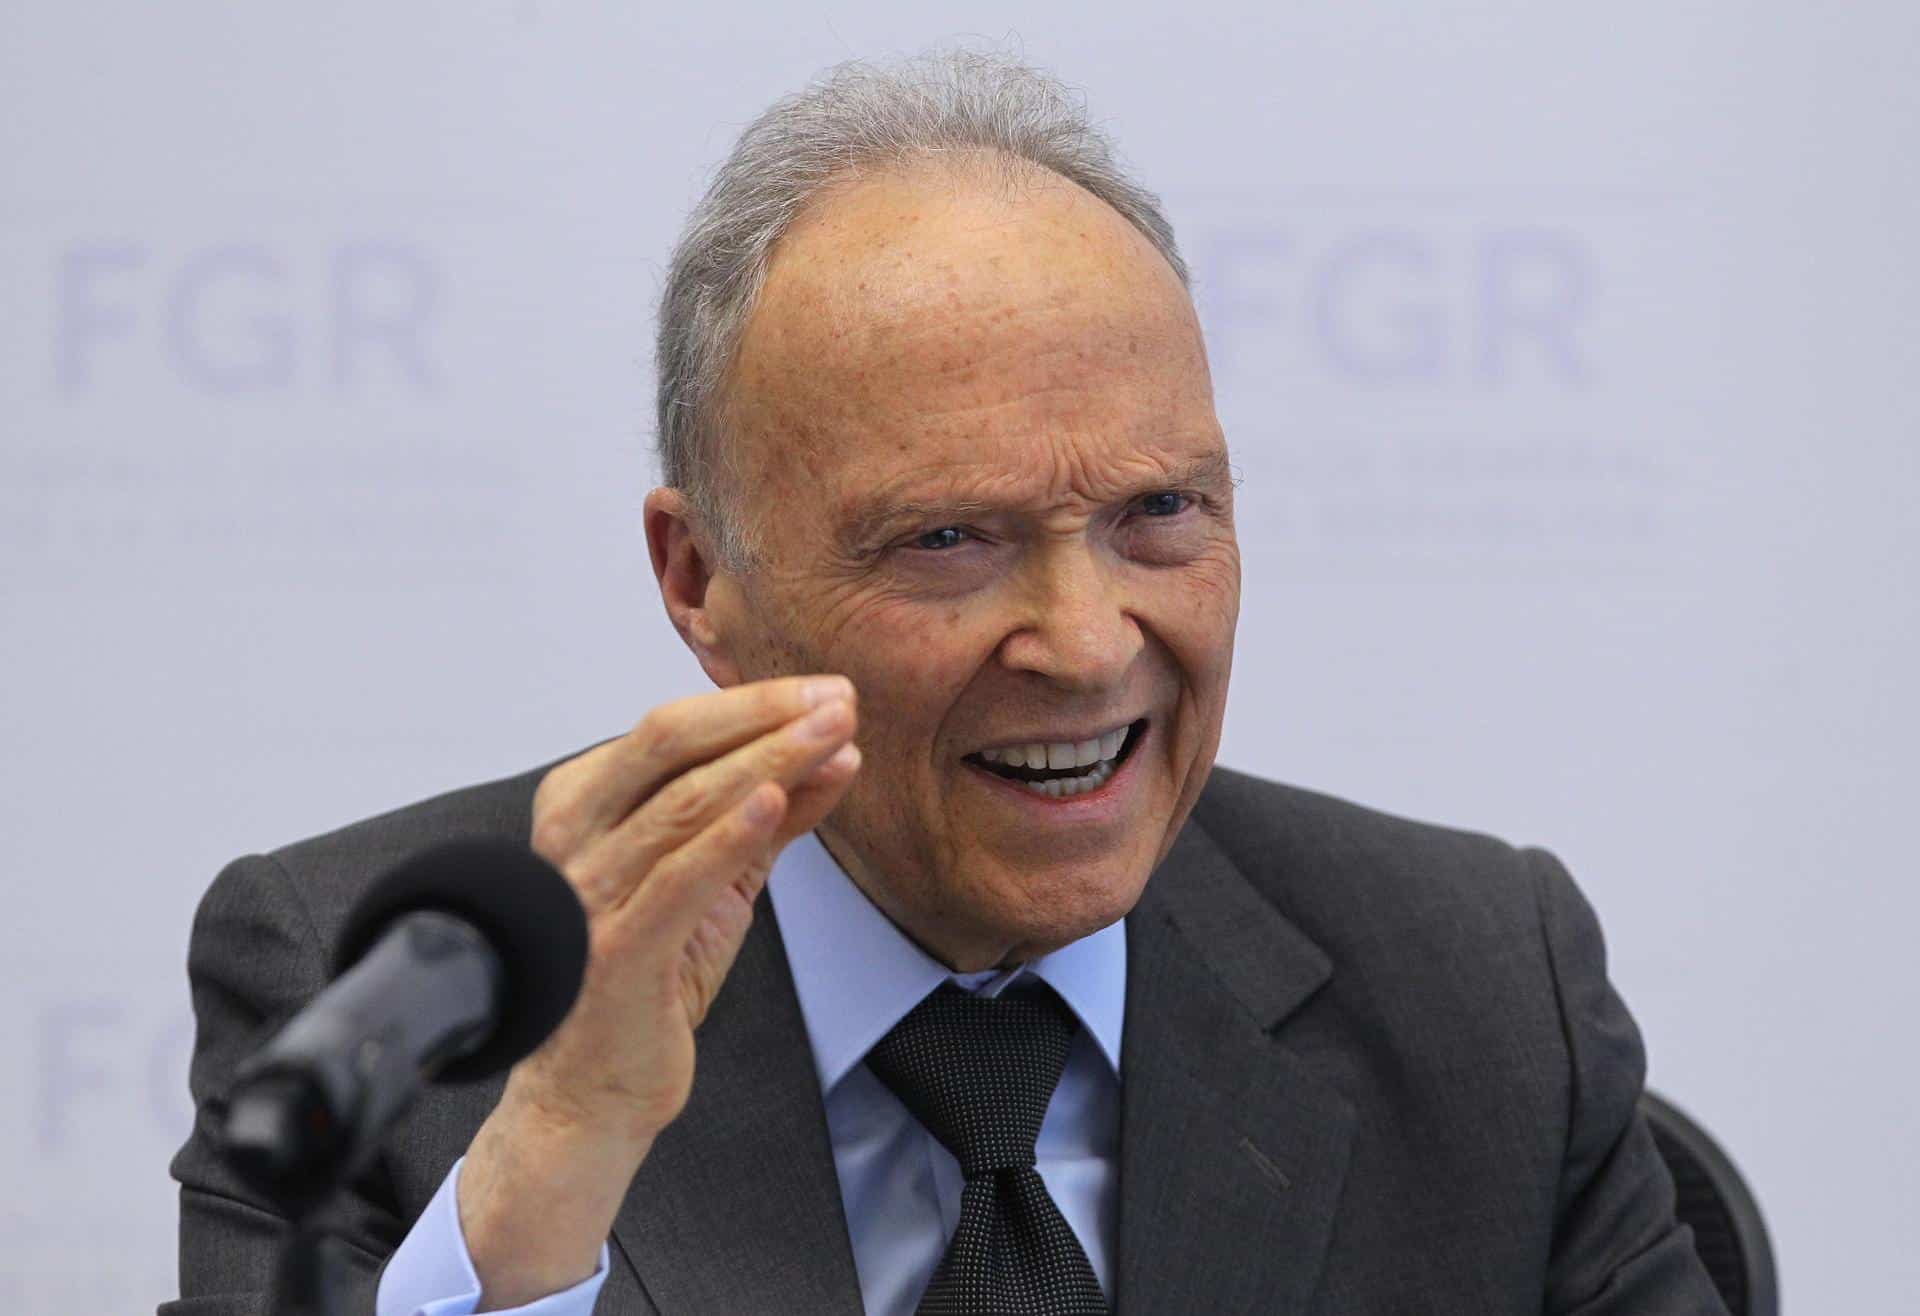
(1567, 351)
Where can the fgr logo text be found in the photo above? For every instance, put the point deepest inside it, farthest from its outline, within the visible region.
(100, 1061)
(1462, 307)
(247, 317)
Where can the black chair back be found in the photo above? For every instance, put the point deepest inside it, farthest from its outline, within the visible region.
(1728, 1232)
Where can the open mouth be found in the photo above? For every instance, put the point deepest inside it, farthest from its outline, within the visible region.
(1087, 766)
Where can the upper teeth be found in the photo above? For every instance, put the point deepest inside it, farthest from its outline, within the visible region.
(1060, 753)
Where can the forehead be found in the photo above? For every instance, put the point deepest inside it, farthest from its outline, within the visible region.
(920, 328)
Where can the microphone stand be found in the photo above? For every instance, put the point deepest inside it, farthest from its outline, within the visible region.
(307, 1279)
(278, 1136)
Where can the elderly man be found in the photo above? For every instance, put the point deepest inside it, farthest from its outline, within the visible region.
(934, 966)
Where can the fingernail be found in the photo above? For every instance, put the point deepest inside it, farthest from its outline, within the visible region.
(846, 758)
(824, 689)
(824, 722)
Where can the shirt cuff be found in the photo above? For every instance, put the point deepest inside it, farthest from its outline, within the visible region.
(432, 1273)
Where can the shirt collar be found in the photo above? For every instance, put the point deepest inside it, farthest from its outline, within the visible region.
(857, 975)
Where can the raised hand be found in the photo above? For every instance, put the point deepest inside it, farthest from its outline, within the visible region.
(667, 834)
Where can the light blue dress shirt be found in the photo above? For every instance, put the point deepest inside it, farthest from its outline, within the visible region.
(856, 975)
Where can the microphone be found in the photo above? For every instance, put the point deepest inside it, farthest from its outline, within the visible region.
(452, 966)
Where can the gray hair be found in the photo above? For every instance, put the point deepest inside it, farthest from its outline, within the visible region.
(855, 116)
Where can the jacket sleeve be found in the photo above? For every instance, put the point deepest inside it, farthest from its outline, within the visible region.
(253, 960)
(1618, 1249)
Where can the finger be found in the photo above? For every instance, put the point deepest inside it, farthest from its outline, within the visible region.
(592, 793)
(623, 857)
(682, 887)
(817, 794)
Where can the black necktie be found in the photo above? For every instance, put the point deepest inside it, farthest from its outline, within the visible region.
(978, 1072)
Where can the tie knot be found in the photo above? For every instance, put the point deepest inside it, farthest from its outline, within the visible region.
(978, 1072)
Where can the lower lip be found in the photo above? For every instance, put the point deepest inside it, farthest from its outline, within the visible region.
(1107, 800)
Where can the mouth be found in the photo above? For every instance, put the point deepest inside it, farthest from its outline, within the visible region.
(1062, 769)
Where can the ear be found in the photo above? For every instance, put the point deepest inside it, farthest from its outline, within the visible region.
(684, 566)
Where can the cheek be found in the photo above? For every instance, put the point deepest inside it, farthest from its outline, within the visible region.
(910, 661)
(1194, 611)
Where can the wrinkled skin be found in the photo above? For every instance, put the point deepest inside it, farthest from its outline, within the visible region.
(1022, 365)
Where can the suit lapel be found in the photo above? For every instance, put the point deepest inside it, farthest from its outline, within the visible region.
(1232, 1153)
(737, 1207)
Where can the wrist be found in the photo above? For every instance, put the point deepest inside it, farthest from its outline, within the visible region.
(537, 1197)
(566, 1121)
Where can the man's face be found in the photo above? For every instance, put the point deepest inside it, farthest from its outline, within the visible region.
(975, 432)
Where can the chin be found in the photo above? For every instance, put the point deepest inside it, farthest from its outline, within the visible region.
(1044, 912)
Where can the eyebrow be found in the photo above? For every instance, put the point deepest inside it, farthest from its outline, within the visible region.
(869, 516)
(873, 516)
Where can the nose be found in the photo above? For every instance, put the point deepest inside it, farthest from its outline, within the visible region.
(1076, 626)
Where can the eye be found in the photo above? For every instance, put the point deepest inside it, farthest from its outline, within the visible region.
(1164, 503)
(947, 536)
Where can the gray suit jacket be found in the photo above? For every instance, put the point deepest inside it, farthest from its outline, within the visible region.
(1370, 1066)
